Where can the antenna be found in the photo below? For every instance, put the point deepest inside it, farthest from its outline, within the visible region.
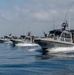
(23, 28)
(68, 10)
(69, 22)
(53, 23)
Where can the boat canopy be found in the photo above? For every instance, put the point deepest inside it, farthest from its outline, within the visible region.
(56, 32)
(22, 36)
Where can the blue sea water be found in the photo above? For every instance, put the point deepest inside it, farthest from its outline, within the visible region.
(26, 61)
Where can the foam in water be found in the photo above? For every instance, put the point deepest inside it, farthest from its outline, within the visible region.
(26, 44)
(37, 49)
(62, 49)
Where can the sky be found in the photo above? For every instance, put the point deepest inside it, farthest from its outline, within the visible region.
(18, 17)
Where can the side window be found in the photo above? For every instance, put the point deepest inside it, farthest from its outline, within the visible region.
(66, 35)
(63, 35)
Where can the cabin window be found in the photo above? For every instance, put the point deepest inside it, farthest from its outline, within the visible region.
(66, 35)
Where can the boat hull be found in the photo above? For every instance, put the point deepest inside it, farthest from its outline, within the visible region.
(17, 41)
(4, 40)
(47, 43)
(23, 43)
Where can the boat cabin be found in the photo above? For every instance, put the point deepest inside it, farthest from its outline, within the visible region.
(66, 36)
(61, 35)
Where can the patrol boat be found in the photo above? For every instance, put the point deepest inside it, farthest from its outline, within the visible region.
(6, 39)
(57, 38)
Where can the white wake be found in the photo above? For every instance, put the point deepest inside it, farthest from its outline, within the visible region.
(26, 44)
(61, 50)
(37, 49)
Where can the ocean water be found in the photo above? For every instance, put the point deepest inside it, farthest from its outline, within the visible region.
(28, 61)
